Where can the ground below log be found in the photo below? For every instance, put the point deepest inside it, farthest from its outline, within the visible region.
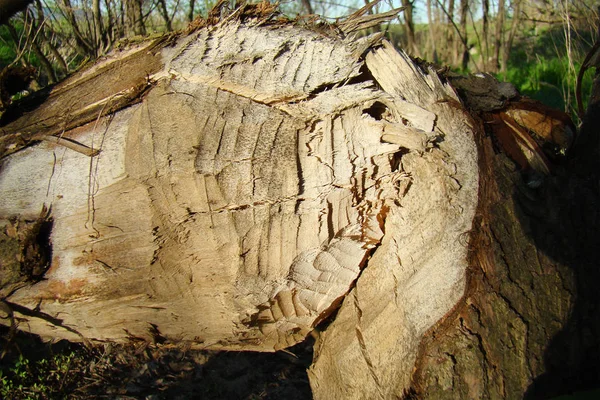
(143, 371)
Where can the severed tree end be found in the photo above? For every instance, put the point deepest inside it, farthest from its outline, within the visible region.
(265, 175)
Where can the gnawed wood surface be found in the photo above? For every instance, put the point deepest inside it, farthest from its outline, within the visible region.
(269, 174)
(423, 251)
(238, 203)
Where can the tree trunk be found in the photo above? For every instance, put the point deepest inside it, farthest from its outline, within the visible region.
(409, 26)
(307, 7)
(206, 190)
(516, 18)
(452, 40)
(432, 35)
(164, 12)
(527, 325)
(99, 32)
(485, 47)
(499, 39)
(135, 20)
(190, 15)
(465, 55)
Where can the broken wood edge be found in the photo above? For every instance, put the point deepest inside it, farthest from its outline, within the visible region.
(72, 145)
(478, 233)
(106, 108)
(12, 143)
(260, 14)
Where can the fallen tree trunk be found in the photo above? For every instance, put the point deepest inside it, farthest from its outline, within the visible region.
(247, 178)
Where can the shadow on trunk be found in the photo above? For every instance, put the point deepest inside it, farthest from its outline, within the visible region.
(568, 233)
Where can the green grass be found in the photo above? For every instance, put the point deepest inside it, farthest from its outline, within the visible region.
(549, 81)
(46, 378)
(538, 65)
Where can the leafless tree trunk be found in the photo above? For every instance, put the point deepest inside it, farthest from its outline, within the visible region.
(307, 7)
(164, 12)
(432, 33)
(190, 15)
(454, 42)
(485, 21)
(499, 37)
(465, 54)
(516, 18)
(135, 22)
(409, 26)
(99, 33)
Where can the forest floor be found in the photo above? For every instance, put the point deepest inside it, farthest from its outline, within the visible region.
(31, 369)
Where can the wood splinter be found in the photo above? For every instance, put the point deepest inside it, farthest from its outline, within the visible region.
(73, 145)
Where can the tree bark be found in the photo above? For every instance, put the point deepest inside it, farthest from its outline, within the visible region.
(485, 47)
(526, 327)
(409, 26)
(135, 20)
(499, 39)
(206, 190)
(465, 55)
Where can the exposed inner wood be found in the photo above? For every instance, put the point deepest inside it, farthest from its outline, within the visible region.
(269, 174)
(417, 273)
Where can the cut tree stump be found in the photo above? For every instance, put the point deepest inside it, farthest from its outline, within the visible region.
(254, 180)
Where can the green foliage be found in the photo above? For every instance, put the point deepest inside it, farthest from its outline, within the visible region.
(7, 52)
(540, 68)
(547, 80)
(47, 378)
(8, 46)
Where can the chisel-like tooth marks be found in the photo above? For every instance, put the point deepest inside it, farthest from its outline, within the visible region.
(276, 312)
(346, 252)
(325, 262)
(300, 309)
(274, 246)
(303, 272)
(250, 250)
(267, 328)
(286, 304)
(310, 299)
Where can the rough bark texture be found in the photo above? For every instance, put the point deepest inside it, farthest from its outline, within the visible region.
(527, 326)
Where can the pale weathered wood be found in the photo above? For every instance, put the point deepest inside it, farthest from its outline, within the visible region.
(237, 204)
(417, 274)
(268, 174)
